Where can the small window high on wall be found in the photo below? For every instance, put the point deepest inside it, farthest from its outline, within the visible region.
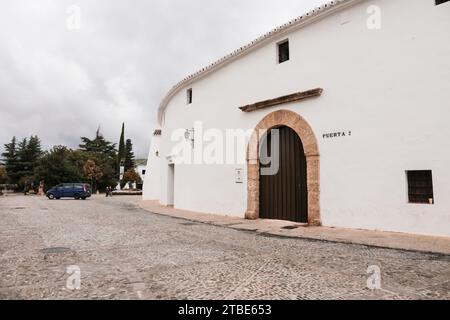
(420, 186)
(283, 51)
(189, 96)
(438, 2)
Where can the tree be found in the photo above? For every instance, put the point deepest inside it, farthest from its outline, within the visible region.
(121, 153)
(3, 175)
(98, 145)
(10, 158)
(129, 156)
(22, 167)
(60, 165)
(104, 154)
(93, 173)
(131, 176)
(29, 152)
(34, 148)
(63, 165)
(20, 160)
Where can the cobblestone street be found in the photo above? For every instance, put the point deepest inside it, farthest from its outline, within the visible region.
(124, 252)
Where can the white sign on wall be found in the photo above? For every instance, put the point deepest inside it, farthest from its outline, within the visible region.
(339, 134)
(239, 176)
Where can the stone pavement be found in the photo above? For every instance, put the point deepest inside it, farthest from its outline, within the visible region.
(380, 239)
(124, 252)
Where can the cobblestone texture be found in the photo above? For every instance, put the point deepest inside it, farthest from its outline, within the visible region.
(127, 253)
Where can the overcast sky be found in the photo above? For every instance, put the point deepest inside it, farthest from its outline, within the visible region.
(62, 83)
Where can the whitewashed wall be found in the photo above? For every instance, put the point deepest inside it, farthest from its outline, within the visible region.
(139, 170)
(152, 178)
(390, 87)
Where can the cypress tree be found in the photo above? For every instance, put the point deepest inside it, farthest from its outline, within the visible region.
(121, 154)
(129, 155)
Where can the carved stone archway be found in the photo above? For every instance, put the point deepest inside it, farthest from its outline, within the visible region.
(306, 134)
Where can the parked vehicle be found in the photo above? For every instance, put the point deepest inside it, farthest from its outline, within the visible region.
(70, 190)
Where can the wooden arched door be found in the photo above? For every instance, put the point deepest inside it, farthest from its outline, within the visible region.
(283, 192)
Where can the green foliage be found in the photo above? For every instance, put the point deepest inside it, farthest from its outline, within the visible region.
(61, 165)
(26, 165)
(10, 158)
(129, 156)
(98, 145)
(104, 154)
(29, 152)
(20, 160)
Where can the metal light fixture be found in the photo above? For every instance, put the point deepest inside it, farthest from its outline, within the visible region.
(189, 135)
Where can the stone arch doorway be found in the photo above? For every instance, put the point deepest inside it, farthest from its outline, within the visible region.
(277, 119)
(283, 187)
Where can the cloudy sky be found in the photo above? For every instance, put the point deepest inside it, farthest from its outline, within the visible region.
(61, 77)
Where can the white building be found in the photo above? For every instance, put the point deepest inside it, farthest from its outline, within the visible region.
(141, 167)
(360, 93)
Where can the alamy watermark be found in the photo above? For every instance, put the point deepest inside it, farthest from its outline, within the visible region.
(374, 19)
(74, 280)
(73, 21)
(374, 281)
(198, 146)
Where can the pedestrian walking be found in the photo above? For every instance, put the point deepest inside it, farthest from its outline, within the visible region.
(109, 191)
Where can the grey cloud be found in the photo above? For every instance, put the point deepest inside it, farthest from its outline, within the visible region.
(61, 84)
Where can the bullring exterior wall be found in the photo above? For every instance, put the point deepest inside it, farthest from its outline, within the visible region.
(386, 89)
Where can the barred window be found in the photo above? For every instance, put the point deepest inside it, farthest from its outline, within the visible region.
(283, 51)
(420, 186)
(189, 96)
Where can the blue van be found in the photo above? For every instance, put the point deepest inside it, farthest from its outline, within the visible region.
(70, 190)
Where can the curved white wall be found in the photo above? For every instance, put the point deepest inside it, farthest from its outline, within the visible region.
(152, 178)
(390, 87)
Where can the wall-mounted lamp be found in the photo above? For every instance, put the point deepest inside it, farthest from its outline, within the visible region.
(189, 135)
(157, 154)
